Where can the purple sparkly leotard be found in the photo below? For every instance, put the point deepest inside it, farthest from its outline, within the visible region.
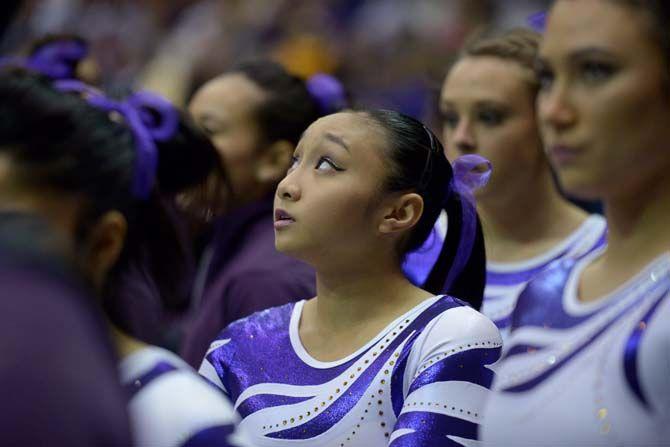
(422, 381)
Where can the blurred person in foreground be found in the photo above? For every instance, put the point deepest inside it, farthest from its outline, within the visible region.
(587, 361)
(93, 167)
(56, 349)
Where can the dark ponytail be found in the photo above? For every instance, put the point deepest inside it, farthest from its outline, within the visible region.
(417, 163)
(469, 284)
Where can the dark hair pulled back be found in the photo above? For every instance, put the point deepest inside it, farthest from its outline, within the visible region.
(417, 163)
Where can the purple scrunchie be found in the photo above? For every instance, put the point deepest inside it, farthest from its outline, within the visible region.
(139, 112)
(327, 92)
(56, 60)
(468, 177)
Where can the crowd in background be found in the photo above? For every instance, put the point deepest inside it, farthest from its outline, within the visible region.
(390, 54)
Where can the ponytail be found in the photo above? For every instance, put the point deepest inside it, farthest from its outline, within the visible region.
(467, 281)
(417, 163)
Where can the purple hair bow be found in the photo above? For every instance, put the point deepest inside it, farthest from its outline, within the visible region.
(471, 172)
(149, 117)
(56, 59)
(328, 93)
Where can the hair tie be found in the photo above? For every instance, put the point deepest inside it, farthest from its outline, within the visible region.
(471, 172)
(327, 92)
(139, 112)
(537, 21)
(57, 59)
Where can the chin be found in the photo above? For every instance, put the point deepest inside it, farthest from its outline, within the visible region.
(287, 246)
(580, 187)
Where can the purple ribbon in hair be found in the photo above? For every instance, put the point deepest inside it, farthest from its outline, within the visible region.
(327, 92)
(57, 59)
(149, 117)
(471, 172)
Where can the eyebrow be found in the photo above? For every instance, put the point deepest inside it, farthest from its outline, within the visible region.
(577, 55)
(337, 140)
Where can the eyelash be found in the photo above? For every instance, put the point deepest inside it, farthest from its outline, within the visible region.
(590, 72)
(296, 160)
(489, 118)
(595, 72)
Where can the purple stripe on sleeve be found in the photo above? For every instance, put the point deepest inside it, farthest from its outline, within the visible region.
(212, 436)
(522, 349)
(632, 350)
(134, 387)
(432, 429)
(504, 323)
(398, 375)
(468, 366)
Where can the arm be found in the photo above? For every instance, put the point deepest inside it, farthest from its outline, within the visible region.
(447, 381)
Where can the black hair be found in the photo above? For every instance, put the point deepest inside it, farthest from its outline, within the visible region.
(58, 141)
(417, 163)
(288, 107)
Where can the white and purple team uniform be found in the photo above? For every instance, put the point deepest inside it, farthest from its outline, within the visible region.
(505, 281)
(171, 405)
(585, 373)
(422, 381)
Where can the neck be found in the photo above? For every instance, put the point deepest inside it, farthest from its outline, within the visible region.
(638, 225)
(348, 298)
(527, 224)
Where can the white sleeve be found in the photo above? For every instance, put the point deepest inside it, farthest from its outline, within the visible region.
(181, 409)
(447, 380)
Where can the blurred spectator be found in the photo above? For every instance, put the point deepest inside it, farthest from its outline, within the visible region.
(389, 53)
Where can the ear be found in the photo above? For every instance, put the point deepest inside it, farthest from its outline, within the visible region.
(273, 163)
(104, 245)
(401, 214)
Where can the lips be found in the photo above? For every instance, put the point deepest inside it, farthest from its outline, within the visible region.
(563, 155)
(282, 219)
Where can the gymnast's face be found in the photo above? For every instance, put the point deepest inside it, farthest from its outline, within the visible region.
(602, 106)
(327, 207)
(487, 106)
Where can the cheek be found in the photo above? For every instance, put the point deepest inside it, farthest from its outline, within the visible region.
(516, 143)
(235, 148)
(346, 212)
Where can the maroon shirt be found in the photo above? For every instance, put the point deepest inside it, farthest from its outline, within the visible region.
(246, 274)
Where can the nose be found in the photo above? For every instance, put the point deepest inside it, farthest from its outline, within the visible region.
(464, 137)
(288, 188)
(556, 109)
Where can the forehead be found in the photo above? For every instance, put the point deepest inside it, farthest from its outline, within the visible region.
(577, 24)
(354, 129)
(485, 77)
(228, 94)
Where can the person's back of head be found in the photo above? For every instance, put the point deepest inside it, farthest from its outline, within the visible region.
(88, 169)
